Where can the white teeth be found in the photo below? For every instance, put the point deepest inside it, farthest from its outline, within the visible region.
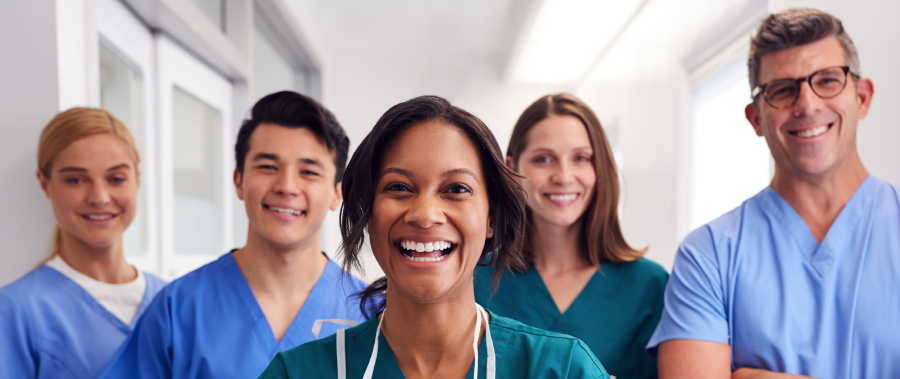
(809, 133)
(425, 247)
(425, 259)
(100, 217)
(566, 197)
(286, 211)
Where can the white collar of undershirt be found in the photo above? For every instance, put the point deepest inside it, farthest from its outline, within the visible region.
(122, 300)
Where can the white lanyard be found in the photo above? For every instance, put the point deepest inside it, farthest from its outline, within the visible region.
(370, 369)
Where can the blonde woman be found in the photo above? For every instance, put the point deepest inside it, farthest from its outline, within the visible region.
(66, 318)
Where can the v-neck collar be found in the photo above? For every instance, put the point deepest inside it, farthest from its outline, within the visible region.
(294, 331)
(839, 236)
(73, 287)
(601, 285)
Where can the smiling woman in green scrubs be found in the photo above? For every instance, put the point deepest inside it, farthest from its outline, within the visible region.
(429, 187)
(582, 278)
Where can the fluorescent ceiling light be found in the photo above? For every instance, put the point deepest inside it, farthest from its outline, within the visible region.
(565, 37)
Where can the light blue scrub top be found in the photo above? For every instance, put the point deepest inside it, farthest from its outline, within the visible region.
(521, 352)
(50, 327)
(757, 279)
(207, 324)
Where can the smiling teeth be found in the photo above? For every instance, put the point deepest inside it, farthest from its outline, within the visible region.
(286, 211)
(425, 259)
(100, 217)
(425, 247)
(808, 133)
(567, 197)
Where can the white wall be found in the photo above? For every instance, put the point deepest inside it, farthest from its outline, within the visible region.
(29, 98)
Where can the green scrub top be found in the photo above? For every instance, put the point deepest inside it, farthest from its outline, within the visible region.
(521, 352)
(615, 314)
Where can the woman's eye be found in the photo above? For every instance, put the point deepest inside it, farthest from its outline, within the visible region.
(458, 188)
(73, 180)
(396, 187)
(542, 160)
(583, 159)
(117, 180)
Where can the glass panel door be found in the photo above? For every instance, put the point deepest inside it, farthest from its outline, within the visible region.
(196, 139)
(126, 74)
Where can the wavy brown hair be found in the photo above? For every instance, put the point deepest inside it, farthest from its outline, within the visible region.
(506, 198)
(602, 236)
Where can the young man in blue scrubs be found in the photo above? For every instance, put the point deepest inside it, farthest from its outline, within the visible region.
(803, 278)
(229, 318)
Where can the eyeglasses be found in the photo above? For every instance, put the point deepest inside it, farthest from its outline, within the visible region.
(826, 83)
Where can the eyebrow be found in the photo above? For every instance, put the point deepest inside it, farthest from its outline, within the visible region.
(79, 169)
(449, 173)
(274, 157)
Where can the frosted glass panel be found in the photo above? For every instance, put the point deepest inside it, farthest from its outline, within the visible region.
(121, 93)
(271, 72)
(214, 11)
(197, 167)
(729, 163)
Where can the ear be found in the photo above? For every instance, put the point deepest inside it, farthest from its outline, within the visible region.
(239, 184)
(510, 163)
(338, 196)
(44, 182)
(137, 175)
(490, 229)
(865, 89)
(752, 114)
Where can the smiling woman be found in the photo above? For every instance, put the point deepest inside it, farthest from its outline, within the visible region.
(72, 313)
(429, 187)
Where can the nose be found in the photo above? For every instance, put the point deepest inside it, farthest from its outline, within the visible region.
(562, 174)
(98, 196)
(287, 184)
(807, 102)
(425, 212)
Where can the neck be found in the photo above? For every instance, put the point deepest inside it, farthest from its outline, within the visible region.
(104, 264)
(431, 338)
(819, 198)
(556, 248)
(277, 270)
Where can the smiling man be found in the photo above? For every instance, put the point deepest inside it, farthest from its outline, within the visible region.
(229, 318)
(801, 279)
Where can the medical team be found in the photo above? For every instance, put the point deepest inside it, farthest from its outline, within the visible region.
(801, 280)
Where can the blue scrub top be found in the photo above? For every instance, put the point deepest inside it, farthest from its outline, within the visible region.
(757, 279)
(207, 324)
(614, 314)
(521, 352)
(50, 327)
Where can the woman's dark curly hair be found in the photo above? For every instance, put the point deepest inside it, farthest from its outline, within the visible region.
(506, 198)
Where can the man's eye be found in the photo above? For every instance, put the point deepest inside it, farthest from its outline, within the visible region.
(117, 180)
(458, 188)
(73, 180)
(397, 187)
(307, 172)
(266, 167)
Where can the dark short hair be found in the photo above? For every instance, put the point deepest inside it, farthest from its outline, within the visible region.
(601, 234)
(293, 110)
(506, 198)
(797, 27)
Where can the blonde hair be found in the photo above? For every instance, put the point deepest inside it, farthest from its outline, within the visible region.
(70, 126)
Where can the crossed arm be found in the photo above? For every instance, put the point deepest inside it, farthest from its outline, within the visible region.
(682, 359)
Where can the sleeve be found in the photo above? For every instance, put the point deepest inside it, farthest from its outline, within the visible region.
(16, 359)
(584, 364)
(147, 352)
(276, 370)
(694, 298)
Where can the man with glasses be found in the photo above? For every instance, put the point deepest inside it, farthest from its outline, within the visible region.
(804, 277)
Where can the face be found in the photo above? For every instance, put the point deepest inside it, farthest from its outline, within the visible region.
(558, 164)
(814, 136)
(287, 185)
(430, 213)
(93, 186)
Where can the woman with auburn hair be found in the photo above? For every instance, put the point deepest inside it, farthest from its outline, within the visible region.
(582, 278)
(428, 185)
(66, 318)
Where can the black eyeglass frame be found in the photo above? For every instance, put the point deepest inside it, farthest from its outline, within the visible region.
(761, 89)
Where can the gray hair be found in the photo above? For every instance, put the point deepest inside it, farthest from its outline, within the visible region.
(797, 27)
